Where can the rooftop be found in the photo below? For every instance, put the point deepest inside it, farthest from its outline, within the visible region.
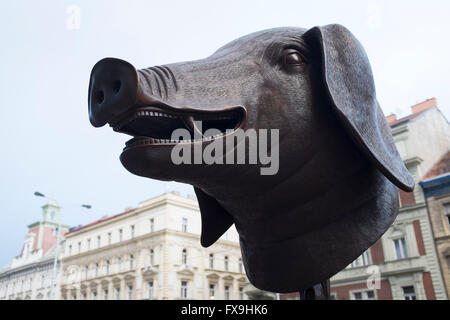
(416, 110)
(440, 168)
(164, 196)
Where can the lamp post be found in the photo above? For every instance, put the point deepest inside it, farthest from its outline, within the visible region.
(58, 236)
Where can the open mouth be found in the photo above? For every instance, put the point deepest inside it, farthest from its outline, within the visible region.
(153, 125)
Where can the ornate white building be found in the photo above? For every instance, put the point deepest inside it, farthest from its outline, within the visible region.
(152, 251)
(28, 276)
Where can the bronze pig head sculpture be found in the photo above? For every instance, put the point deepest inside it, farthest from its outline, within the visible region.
(335, 192)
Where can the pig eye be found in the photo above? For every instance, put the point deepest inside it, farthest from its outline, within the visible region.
(292, 58)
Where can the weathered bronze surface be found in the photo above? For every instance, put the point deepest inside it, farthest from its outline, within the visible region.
(336, 190)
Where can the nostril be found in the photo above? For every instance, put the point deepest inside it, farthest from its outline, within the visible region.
(100, 96)
(117, 84)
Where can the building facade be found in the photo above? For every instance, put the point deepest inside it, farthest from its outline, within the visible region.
(151, 252)
(29, 275)
(403, 264)
(436, 186)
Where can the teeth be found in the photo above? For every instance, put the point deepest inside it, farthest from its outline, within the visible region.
(152, 114)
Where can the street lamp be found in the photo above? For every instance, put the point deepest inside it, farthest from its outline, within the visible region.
(55, 261)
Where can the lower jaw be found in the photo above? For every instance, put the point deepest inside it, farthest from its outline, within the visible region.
(149, 141)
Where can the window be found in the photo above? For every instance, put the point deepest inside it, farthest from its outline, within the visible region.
(183, 293)
(447, 212)
(109, 238)
(70, 250)
(107, 266)
(365, 258)
(409, 293)
(30, 284)
(130, 292)
(211, 261)
(151, 257)
(94, 295)
(120, 234)
(212, 291)
(119, 263)
(362, 260)
(150, 289)
(184, 225)
(132, 232)
(89, 244)
(84, 296)
(52, 215)
(363, 295)
(226, 263)
(184, 257)
(241, 269)
(98, 241)
(117, 293)
(241, 293)
(400, 248)
(86, 271)
(357, 295)
(152, 225)
(227, 292)
(42, 281)
(370, 295)
(21, 285)
(96, 270)
(79, 247)
(105, 294)
(131, 261)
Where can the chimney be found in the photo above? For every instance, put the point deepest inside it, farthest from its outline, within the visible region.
(427, 104)
(391, 117)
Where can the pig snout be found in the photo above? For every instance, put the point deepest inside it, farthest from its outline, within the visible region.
(112, 90)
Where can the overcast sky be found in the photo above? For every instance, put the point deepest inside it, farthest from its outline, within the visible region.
(48, 144)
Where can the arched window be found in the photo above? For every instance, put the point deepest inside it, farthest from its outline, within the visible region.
(86, 271)
(184, 257)
(151, 257)
(152, 224)
(131, 261)
(226, 263)
(227, 292)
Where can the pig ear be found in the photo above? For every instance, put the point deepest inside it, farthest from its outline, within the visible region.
(348, 80)
(215, 219)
